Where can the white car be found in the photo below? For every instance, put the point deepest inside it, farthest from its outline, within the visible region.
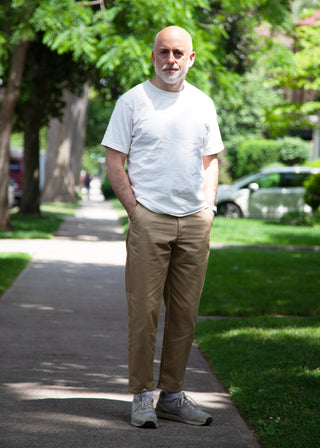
(268, 194)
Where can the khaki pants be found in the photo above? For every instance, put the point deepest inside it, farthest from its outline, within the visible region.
(167, 257)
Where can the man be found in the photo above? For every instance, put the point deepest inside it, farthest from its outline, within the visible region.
(167, 131)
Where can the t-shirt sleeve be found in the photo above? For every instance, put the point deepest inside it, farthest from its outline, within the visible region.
(119, 131)
(213, 142)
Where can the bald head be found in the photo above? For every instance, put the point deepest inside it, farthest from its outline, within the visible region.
(174, 33)
(172, 57)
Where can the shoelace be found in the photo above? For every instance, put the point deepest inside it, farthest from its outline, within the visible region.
(146, 403)
(183, 399)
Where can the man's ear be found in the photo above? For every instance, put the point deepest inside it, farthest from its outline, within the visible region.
(191, 59)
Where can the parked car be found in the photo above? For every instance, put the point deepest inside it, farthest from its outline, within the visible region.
(17, 173)
(12, 186)
(267, 194)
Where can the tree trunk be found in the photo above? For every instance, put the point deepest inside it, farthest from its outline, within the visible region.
(30, 203)
(64, 151)
(8, 105)
(58, 182)
(79, 121)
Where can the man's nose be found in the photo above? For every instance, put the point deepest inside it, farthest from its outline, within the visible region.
(171, 58)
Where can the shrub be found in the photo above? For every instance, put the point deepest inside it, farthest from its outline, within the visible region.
(293, 151)
(297, 219)
(232, 145)
(312, 194)
(254, 154)
(106, 189)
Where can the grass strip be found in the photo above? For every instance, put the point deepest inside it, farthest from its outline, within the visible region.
(244, 282)
(271, 367)
(11, 264)
(38, 227)
(257, 231)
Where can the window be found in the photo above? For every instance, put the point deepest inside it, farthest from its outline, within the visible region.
(271, 180)
(293, 179)
(14, 167)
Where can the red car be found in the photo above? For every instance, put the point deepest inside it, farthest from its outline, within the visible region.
(16, 173)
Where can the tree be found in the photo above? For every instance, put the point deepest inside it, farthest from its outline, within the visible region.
(47, 77)
(292, 64)
(9, 101)
(20, 21)
(14, 45)
(117, 39)
(65, 144)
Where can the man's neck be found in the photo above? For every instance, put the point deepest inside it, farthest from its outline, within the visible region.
(168, 87)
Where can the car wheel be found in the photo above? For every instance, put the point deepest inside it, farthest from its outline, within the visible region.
(229, 210)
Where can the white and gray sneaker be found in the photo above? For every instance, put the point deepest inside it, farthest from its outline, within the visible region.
(142, 411)
(182, 409)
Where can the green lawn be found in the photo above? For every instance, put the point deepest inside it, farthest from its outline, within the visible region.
(242, 282)
(255, 231)
(31, 227)
(271, 367)
(269, 363)
(11, 265)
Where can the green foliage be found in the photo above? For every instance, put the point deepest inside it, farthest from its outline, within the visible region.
(91, 160)
(312, 194)
(235, 21)
(297, 219)
(106, 189)
(99, 113)
(124, 53)
(307, 56)
(67, 27)
(243, 105)
(285, 116)
(294, 66)
(314, 163)
(294, 151)
(254, 154)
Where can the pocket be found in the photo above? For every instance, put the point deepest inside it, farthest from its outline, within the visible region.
(134, 213)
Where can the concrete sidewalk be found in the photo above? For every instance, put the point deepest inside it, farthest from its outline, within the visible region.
(63, 350)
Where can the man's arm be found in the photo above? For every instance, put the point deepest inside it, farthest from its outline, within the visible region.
(119, 179)
(211, 177)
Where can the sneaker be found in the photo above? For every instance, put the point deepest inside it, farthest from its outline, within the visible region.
(142, 411)
(181, 409)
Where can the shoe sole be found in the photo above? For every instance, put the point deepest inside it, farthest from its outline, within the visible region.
(148, 424)
(179, 419)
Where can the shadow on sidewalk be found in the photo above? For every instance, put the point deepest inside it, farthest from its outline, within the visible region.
(63, 349)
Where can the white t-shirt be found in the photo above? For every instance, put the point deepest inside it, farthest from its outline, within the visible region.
(165, 134)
